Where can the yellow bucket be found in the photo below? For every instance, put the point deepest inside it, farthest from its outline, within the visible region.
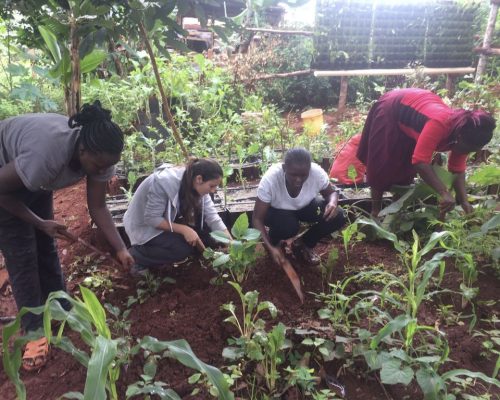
(313, 121)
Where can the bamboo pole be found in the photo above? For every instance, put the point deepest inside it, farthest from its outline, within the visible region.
(282, 75)
(164, 100)
(401, 71)
(492, 51)
(488, 35)
(281, 32)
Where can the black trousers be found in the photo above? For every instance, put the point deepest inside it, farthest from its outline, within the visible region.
(167, 248)
(30, 256)
(284, 224)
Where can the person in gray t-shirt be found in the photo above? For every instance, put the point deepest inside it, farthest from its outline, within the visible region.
(40, 153)
(288, 194)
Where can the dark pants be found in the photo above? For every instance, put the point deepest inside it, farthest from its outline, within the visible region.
(284, 224)
(166, 248)
(30, 256)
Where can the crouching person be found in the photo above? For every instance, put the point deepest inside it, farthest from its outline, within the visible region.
(167, 217)
(288, 194)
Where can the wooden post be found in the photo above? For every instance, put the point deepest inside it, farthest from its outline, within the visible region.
(450, 84)
(488, 35)
(343, 94)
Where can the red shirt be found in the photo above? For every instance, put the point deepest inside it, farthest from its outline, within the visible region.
(424, 117)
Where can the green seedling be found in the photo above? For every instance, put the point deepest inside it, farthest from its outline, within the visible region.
(241, 255)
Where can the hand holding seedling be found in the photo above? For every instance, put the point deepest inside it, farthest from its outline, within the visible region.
(53, 229)
(125, 258)
(446, 203)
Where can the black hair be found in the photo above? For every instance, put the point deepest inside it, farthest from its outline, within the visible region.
(298, 156)
(208, 169)
(98, 134)
(478, 129)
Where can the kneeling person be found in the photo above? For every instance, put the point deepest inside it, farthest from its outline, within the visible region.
(166, 218)
(287, 195)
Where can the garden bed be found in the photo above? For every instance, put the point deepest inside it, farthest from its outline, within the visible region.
(190, 309)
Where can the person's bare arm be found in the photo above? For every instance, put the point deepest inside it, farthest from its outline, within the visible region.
(446, 201)
(259, 215)
(10, 182)
(332, 199)
(459, 186)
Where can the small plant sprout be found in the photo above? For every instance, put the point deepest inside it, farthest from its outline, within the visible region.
(241, 255)
(251, 308)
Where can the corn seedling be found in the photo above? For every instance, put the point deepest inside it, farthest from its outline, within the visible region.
(104, 363)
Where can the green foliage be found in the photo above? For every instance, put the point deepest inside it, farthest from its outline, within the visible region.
(250, 323)
(88, 318)
(24, 84)
(350, 234)
(412, 210)
(241, 255)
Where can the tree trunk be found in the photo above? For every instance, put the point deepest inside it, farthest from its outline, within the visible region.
(116, 58)
(488, 35)
(74, 89)
(164, 99)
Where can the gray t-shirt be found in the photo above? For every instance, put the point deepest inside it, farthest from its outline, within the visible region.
(272, 188)
(41, 146)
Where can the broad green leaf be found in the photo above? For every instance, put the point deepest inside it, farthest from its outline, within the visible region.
(97, 311)
(240, 226)
(220, 237)
(450, 375)
(430, 383)
(251, 234)
(393, 373)
(223, 259)
(431, 243)
(103, 354)
(92, 60)
(382, 233)
(233, 353)
(395, 325)
(51, 41)
(181, 351)
(267, 305)
(492, 223)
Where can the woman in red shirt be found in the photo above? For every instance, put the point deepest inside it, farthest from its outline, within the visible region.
(403, 130)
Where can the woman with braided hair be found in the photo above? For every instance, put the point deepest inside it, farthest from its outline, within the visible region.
(403, 130)
(167, 215)
(40, 153)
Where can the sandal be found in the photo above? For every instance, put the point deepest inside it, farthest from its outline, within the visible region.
(304, 253)
(35, 354)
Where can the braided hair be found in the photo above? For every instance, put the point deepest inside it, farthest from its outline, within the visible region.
(474, 127)
(190, 202)
(98, 134)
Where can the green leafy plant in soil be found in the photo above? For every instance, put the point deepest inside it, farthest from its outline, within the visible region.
(403, 349)
(241, 254)
(256, 346)
(87, 317)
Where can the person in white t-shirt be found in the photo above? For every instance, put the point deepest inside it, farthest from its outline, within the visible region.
(288, 194)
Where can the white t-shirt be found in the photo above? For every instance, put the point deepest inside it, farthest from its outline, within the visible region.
(272, 188)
